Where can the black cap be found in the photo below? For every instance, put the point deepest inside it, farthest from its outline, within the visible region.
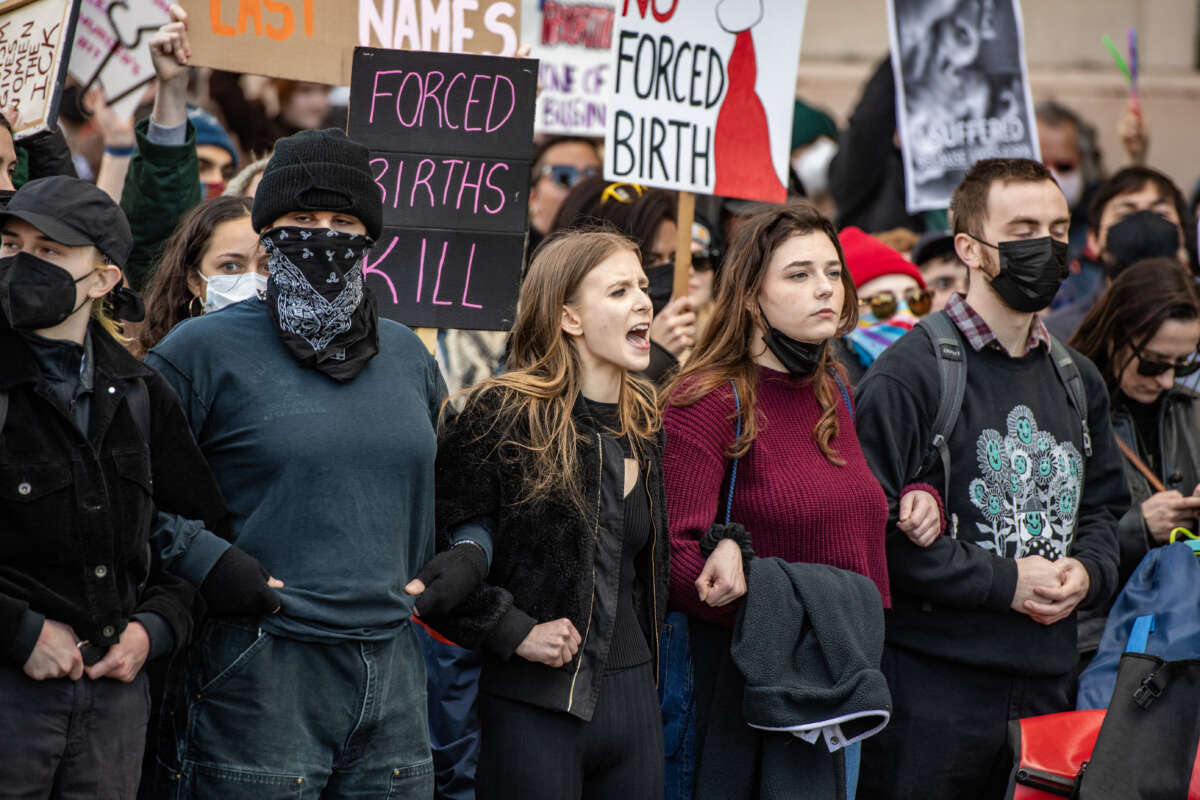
(74, 213)
(933, 244)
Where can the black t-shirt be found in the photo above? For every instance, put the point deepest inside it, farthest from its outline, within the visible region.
(1145, 425)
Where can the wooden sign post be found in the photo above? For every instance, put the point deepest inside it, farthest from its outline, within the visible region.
(684, 216)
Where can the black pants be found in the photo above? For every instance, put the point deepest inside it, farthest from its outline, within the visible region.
(71, 740)
(949, 727)
(532, 753)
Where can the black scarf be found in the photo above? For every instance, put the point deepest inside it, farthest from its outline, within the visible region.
(322, 311)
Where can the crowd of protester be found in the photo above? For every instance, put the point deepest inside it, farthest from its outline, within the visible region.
(823, 525)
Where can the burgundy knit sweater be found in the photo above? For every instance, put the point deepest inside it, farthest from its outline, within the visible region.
(796, 505)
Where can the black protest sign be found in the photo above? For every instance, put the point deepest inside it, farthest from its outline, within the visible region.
(451, 139)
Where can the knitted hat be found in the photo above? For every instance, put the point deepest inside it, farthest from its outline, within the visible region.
(318, 171)
(808, 123)
(209, 131)
(868, 258)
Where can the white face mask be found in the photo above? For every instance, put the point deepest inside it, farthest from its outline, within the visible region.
(225, 290)
(812, 166)
(1071, 184)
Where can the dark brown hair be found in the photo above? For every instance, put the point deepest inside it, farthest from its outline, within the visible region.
(1130, 180)
(723, 352)
(1136, 304)
(968, 207)
(633, 210)
(169, 299)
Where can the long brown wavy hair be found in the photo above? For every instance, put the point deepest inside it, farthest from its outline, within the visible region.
(723, 352)
(543, 377)
(169, 299)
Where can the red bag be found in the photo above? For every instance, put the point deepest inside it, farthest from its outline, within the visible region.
(1050, 751)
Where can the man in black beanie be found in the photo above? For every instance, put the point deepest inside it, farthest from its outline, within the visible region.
(319, 420)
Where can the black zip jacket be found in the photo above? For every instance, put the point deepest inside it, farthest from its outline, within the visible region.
(549, 560)
(76, 511)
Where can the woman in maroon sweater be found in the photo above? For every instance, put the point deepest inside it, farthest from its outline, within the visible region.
(803, 492)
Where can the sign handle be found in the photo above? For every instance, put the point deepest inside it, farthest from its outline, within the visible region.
(684, 215)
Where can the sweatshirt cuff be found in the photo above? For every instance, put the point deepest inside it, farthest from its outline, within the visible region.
(28, 631)
(1095, 582)
(162, 641)
(174, 136)
(201, 555)
(508, 634)
(1004, 585)
(937, 497)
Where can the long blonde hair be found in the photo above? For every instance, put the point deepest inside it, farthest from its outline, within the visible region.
(543, 378)
(723, 352)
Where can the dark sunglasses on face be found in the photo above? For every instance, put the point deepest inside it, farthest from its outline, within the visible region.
(885, 304)
(706, 260)
(565, 175)
(1149, 368)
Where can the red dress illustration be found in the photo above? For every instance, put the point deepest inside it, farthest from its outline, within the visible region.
(742, 143)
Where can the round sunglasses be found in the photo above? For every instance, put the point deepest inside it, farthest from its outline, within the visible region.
(1150, 368)
(885, 304)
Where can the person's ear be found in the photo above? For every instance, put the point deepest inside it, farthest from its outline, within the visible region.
(107, 278)
(969, 251)
(571, 324)
(1093, 243)
(195, 285)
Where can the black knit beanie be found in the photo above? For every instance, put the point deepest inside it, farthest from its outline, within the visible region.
(318, 171)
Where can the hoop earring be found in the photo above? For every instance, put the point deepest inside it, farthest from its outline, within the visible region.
(191, 311)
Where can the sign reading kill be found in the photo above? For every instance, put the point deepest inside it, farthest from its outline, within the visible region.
(451, 139)
(702, 99)
(962, 92)
(35, 46)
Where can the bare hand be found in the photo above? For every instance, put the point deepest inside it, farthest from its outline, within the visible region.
(722, 580)
(920, 518)
(1057, 602)
(674, 328)
(1032, 572)
(124, 659)
(56, 654)
(115, 130)
(1166, 511)
(553, 643)
(1134, 134)
(170, 49)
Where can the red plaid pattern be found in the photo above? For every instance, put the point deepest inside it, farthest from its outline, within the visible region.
(979, 335)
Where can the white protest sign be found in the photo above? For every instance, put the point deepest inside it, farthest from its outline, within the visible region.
(35, 42)
(702, 98)
(572, 40)
(962, 92)
(112, 48)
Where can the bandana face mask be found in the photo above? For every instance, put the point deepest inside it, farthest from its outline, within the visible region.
(872, 336)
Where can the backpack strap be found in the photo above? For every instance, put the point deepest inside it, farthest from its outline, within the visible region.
(952, 374)
(737, 404)
(138, 398)
(845, 395)
(1068, 373)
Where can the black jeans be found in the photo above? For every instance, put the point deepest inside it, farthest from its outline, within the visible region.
(71, 740)
(533, 753)
(949, 728)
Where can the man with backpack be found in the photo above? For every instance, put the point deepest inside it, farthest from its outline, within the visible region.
(1012, 427)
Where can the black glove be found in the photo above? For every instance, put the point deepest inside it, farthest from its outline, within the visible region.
(236, 586)
(449, 578)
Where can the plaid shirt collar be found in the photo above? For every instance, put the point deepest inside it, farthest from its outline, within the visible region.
(979, 335)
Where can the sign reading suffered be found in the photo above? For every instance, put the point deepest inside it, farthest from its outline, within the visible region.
(313, 40)
(451, 140)
(691, 109)
(571, 40)
(112, 48)
(35, 46)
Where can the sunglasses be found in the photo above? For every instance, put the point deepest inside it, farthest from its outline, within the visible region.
(706, 260)
(885, 304)
(1150, 368)
(565, 175)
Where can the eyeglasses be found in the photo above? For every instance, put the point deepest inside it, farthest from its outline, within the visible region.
(622, 192)
(884, 304)
(1150, 368)
(565, 175)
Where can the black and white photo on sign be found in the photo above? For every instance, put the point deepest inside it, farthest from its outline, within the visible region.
(962, 91)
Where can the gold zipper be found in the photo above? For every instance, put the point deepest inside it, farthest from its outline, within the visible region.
(653, 582)
(592, 602)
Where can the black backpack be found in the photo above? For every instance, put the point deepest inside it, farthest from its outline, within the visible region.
(952, 369)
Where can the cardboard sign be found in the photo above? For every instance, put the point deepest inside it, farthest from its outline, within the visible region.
(314, 40)
(702, 100)
(962, 92)
(451, 139)
(572, 40)
(35, 45)
(112, 48)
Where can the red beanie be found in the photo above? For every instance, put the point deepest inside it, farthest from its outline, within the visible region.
(868, 258)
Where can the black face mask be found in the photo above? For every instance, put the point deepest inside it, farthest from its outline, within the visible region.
(662, 285)
(1142, 234)
(1031, 271)
(800, 359)
(35, 294)
(5, 196)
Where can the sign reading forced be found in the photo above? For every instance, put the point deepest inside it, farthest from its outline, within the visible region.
(702, 97)
(451, 139)
(35, 45)
(313, 40)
